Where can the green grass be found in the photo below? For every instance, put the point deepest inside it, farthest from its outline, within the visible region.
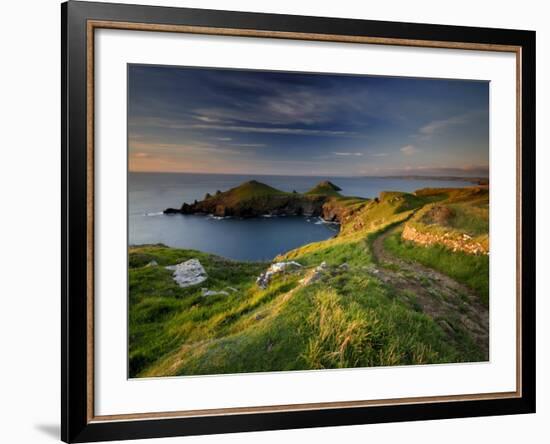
(473, 220)
(352, 250)
(326, 188)
(163, 315)
(348, 318)
(250, 190)
(346, 321)
(468, 269)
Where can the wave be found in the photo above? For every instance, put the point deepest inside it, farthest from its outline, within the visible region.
(321, 221)
(211, 216)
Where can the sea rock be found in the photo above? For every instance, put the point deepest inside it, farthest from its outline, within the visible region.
(188, 273)
(279, 267)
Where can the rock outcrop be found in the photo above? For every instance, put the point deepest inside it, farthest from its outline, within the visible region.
(277, 268)
(453, 241)
(188, 273)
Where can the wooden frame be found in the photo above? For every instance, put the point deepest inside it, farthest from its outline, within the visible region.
(79, 21)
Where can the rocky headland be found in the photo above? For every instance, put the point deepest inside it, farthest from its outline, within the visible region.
(255, 199)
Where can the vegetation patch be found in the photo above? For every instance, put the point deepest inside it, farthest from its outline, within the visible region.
(471, 270)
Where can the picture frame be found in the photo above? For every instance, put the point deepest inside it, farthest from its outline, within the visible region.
(80, 21)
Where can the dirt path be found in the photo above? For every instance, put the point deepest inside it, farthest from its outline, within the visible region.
(454, 306)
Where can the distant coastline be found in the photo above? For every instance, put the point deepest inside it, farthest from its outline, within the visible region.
(478, 180)
(472, 179)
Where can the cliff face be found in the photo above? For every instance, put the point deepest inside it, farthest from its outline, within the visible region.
(275, 205)
(253, 199)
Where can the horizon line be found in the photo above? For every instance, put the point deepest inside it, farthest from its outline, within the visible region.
(389, 176)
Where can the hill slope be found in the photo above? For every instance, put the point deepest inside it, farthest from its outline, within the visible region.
(326, 188)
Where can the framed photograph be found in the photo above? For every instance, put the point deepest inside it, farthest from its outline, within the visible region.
(276, 221)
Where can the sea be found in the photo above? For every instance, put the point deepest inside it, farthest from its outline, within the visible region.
(258, 239)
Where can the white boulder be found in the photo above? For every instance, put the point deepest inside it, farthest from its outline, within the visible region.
(188, 273)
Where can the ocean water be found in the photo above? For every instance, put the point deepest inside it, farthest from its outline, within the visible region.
(242, 239)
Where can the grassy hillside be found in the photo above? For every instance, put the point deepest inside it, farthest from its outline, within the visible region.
(357, 309)
(464, 216)
(326, 188)
(246, 191)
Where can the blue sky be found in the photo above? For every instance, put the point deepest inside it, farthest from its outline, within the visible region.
(257, 122)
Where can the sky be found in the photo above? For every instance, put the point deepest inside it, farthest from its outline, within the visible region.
(206, 120)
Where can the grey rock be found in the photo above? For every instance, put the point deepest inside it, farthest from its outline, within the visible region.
(188, 273)
(278, 267)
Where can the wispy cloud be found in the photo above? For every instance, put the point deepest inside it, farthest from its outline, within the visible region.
(380, 154)
(167, 124)
(207, 119)
(438, 126)
(255, 129)
(268, 102)
(249, 145)
(155, 149)
(340, 153)
(409, 150)
(142, 155)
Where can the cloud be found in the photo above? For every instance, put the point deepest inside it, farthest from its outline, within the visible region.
(151, 149)
(249, 145)
(339, 153)
(380, 154)
(170, 124)
(223, 139)
(269, 101)
(409, 150)
(437, 126)
(255, 129)
(207, 119)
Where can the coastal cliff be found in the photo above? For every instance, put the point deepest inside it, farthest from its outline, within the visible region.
(254, 199)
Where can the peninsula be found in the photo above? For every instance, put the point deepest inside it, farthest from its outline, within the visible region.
(255, 199)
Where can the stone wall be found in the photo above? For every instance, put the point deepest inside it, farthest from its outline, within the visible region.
(455, 242)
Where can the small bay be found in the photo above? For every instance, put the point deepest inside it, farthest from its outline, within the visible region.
(241, 239)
